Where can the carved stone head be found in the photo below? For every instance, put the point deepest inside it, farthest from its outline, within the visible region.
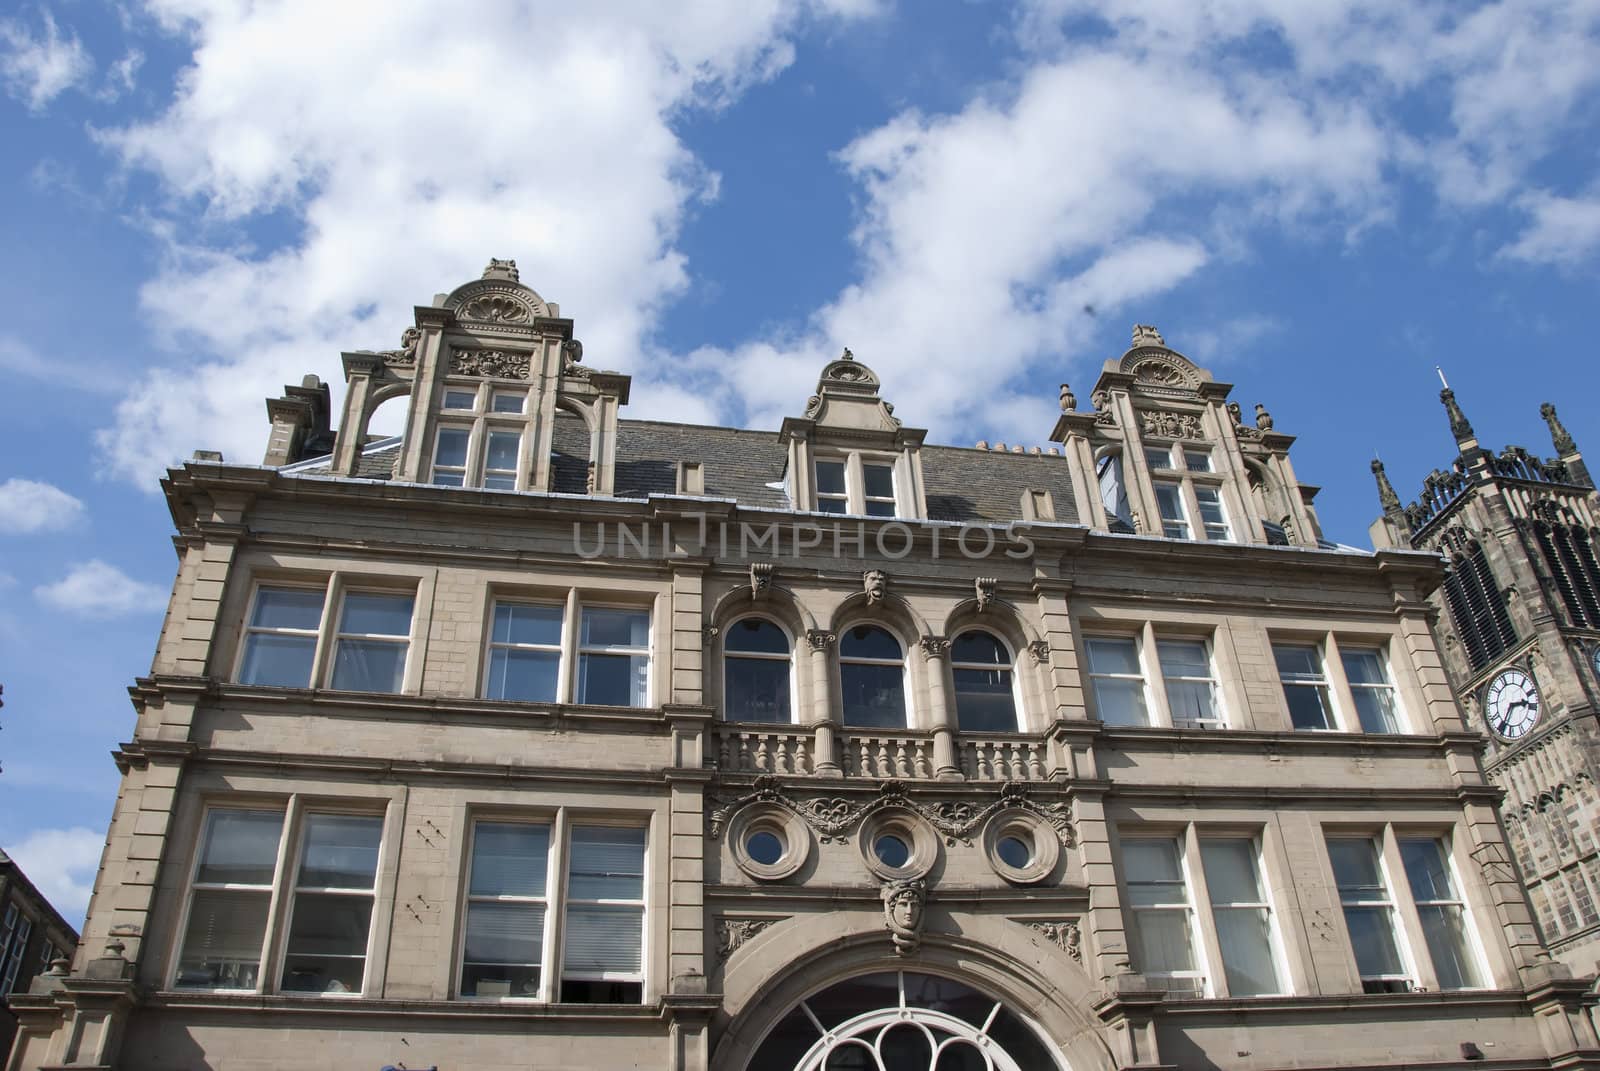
(903, 903)
(984, 587)
(875, 582)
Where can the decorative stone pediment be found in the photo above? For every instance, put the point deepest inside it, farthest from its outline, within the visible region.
(1157, 368)
(499, 299)
(847, 399)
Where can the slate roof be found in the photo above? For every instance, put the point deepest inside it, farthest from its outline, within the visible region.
(962, 483)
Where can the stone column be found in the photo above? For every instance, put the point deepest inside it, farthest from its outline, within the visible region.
(936, 655)
(825, 750)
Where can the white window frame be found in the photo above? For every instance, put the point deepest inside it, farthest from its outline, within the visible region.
(1198, 836)
(1142, 676)
(1219, 709)
(904, 664)
(334, 588)
(1169, 524)
(576, 609)
(1324, 680)
(767, 656)
(561, 822)
(478, 422)
(569, 674)
(1215, 531)
(1198, 976)
(1383, 847)
(13, 946)
(563, 669)
(1166, 463)
(1387, 685)
(1338, 691)
(1010, 668)
(855, 494)
(1413, 915)
(392, 639)
(294, 890)
(285, 873)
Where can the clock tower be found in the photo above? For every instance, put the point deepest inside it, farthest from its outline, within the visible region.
(1519, 624)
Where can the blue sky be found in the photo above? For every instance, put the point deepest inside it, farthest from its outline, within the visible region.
(205, 200)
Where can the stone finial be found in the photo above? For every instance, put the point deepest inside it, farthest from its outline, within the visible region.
(1146, 335)
(847, 355)
(60, 966)
(1559, 438)
(502, 269)
(875, 582)
(1459, 427)
(1263, 418)
(760, 579)
(1069, 400)
(1386, 496)
(984, 586)
(903, 903)
(983, 444)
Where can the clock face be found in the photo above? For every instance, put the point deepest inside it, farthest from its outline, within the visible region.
(1511, 705)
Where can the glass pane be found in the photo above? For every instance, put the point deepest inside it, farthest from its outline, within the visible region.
(341, 851)
(1230, 866)
(459, 399)
(279, 661)
(452, 449)
(603, 939)
(830, 477)
(241, 847)
(1426, 869)
(1197, 460)
(1297, 661)
(1158, 459)
(880, 509)
(878, 480)
(505, 933)
(1120, 702)
(1113, 656)
(1308, 706)
(1356, 869)
(984, 702)
(371, 614)
(755, 635)
(869, 641)
(520, 622)
(1169, 501)
(1183, 658)
(1363, 667)
(1372, 937)
(1453, 963)
(503, 482)
(1245, 938)
(529, 676)
(450, 479)
(756, 690)
(287, 608)
(327, 946)
(501, 452)
(1210, 503)
(1191, 701)
(369, 666)
(222, 942)
(499, 980)
(509, 859)
(832, 505)
(507, 402)
(614, 680)
(607, 863)
(616, 628)
(979, 647)
(1151, 860)
(874, 696)
(1375, 708)
(1164, 942)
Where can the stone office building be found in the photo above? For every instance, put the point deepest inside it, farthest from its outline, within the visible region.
(538, 736)
(33, 936)
(1519, 618)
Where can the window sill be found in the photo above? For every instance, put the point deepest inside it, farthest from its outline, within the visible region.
(385, 704)
(352, 1004)
(1403, 1003)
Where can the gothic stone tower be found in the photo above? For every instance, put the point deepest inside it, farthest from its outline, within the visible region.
(1520, 633)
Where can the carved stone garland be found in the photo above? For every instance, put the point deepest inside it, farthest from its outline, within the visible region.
(1064, 934)
(497, 364)
(1171, 425)
(834, 817)
(732, 933)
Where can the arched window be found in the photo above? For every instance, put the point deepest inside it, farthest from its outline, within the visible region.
(755, 673)
(872, 678)
(981, 666)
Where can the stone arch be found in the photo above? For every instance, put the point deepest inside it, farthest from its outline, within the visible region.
(1006, 621)
(1035, 979)
(398, 388)
(570, 471)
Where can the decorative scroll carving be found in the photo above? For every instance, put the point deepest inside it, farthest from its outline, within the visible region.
(709, 634)
(903, 903)
(406, 355)
(732, 933)
(1063, 934)
(813, 404)
(820, 639)
(984, 586)
(934, 646)
(760, 579)
(1040, 649)
(497, 309)
(1159, 372)
(1171, 425)
(875, 582)
(498, 364)
(1069, 400)
(834, 817)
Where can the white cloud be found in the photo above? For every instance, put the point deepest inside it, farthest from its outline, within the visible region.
(542, 134)
(62, 864)
(96, 589)
(37, 69)
(1565, 230)
(33, 506)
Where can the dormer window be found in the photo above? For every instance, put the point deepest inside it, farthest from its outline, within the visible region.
(479, 439)
(856, 484)
(1188, 492)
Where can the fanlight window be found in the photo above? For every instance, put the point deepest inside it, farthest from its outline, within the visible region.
(982, 669)
(901, 1021)
(872, 678)
(755, 673)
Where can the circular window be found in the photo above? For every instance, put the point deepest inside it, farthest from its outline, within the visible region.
(768, 843)
(897, 845)
(764, 846)
(1014, 851)
(1021, 847)
(891, 851)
